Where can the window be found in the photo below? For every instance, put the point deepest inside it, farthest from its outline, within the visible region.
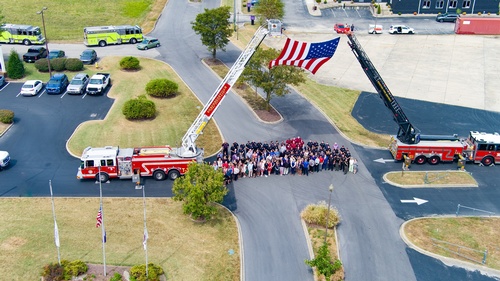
(426, 4)
(466, 4)
(491, 147)
(482, 146)
(109, 162)
(453, 4)
(440, 4)
(89, 163)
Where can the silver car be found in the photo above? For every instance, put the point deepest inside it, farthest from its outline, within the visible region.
(78, 84)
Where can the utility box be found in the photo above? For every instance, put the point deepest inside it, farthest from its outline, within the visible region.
(473, 25)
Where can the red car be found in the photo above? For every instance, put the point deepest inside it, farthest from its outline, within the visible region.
(341, 28)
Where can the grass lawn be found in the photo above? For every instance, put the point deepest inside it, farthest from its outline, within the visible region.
(175, 115)
(432, 178)
(60, 15)
(186, 250)
(479, 234)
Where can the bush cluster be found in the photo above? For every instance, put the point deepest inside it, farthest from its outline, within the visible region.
(162, 88)
(64, 271)
(139, 108)
(15, 67)
(138, 272)
(316, 214)
(130, 63)
(6, 116)
(59, 64)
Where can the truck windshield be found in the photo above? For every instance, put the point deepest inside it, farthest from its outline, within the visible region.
(95, 81)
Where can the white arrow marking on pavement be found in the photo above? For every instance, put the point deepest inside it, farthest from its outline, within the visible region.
(383, 161)
(415, 200)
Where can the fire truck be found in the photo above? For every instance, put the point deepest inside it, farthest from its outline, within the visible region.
(483, 148)
(160, 162)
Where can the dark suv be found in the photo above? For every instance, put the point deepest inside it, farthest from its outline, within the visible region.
(35, 53)
(447, 17)
(57, 84)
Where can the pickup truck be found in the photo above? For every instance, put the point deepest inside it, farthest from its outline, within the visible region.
(98, 83)
(4, 159)
(35, 53)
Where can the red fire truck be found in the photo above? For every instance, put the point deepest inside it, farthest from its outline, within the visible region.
(161, 162)
(483, 148)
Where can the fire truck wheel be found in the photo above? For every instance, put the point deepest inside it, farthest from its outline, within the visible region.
(173, 174)
(103, 177)
(421, 159)
(433, 160)
(487, 161)
(159, 175)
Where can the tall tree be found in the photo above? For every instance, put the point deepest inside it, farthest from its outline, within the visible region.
(15, 67)
(214, 27)
(270, 9)
(198, 189)
(272, 81)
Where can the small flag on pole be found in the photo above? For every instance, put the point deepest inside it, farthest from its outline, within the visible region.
(309, 56)
(56, 235)
(145, 240)
(99, 218)
(104, 237)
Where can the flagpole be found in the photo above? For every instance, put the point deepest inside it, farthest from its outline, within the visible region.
(103, 232)
(56, 230)
(145, 228)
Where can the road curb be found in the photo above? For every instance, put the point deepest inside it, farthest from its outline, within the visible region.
(384, 177)
(446, 260)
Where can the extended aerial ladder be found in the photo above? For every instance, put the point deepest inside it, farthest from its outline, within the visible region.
(188, 148)
(406, 132)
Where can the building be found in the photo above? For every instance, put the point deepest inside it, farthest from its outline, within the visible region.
(445, 6)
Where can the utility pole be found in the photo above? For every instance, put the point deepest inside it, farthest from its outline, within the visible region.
(46, 40)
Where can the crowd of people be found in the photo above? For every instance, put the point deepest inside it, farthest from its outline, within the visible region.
(290, 157)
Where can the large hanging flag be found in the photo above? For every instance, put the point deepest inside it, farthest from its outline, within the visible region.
(56, 235)
(99, 218)
(309, 56)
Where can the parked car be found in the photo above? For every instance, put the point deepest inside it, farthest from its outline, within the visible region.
(88, 56)
(341, 28)
(57, 84)
(448, 17)
(78, 84)
(2, 80)
(35, 53)
(148, 43)
(375, 29)
(31, 87)
(56, 54)
(4, 159)
(401, 29)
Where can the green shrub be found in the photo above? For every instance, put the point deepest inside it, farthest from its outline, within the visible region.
(323, 262)
(316, 214)
(139, 108)
(15, 67)
(116, 277)
(58, 64)
(379, 9)
(162, 88)
(42, 65)
(130, 63)
(74, 268)
(6, 116)
(73, 64)
(53, 272)
(138, 272)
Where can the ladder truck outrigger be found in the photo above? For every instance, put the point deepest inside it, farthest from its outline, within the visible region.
(163, 162)
(410, 145)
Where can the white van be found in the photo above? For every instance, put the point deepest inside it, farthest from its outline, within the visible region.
(375, 29)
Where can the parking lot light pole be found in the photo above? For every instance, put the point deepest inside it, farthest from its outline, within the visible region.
(330, 188)
(46, 40)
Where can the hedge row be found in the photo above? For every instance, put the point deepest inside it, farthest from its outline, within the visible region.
(59, 64)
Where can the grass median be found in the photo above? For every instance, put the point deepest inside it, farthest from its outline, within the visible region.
(186, 250)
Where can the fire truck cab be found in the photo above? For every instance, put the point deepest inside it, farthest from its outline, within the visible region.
(483, 148)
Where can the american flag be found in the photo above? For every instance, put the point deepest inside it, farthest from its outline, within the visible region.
(99, 218)
(310, 56)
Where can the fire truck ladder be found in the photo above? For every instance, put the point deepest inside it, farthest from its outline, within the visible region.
(188, 141)
(406, 132)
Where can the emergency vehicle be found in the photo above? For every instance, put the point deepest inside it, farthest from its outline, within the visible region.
(483, 148)
(161, 162)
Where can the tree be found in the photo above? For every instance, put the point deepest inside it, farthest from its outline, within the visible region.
(323, 262)
(214, 27)
(198, 189)
(15, 67)
(272, 81)
(270, 9)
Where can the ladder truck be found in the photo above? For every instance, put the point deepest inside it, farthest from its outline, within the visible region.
(163, 162)
(410, 145)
